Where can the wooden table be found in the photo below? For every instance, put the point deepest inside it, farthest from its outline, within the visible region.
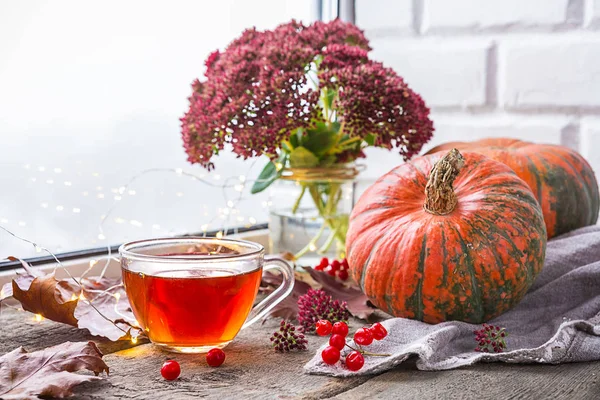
(253, 370)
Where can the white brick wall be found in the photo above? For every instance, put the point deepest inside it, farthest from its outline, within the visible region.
(518, 68)
(461, 15)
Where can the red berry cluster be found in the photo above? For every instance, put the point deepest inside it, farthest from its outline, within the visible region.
(170, 369)
(336, 268)
(315, 305)
(490, 339)
(337, 342)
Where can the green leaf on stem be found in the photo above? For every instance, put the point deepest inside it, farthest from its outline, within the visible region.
(370, 139)
(329, 96)
(320, 139)
(301, 157)
(268, 175)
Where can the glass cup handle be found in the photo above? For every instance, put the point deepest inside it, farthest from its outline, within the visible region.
(287, 284)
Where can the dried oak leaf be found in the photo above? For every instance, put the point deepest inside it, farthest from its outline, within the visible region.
(357, 302)
(59, 300)
(288, 307)
(48, 372)
(111, 321)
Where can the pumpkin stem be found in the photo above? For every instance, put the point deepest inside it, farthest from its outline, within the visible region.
(440, 198)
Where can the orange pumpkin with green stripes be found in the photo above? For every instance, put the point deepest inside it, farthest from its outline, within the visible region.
(562, 181)
(447, 237)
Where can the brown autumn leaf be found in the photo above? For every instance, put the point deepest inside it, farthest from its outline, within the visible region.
(103, 309)
(288, 307)
(48, 372)
(357, 302)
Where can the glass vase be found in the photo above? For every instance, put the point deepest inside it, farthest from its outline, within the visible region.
(309, 212)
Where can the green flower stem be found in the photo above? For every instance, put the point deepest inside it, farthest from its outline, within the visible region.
(297, 202)
(328, 211)
(311, 243)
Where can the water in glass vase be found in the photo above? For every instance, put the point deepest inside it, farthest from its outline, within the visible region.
(310, 218)
(192, 308)
(293, 232)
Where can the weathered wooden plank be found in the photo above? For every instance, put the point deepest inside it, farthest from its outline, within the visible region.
(484, 381)
(252, 369)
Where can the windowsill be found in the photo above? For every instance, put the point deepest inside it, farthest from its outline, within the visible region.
(78, 267)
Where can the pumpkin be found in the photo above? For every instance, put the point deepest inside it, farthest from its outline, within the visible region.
(562, 181)
(446, 237)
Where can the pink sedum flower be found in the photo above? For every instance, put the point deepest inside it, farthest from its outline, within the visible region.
(260, 89)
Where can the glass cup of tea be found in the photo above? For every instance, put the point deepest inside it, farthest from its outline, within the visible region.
(194, 294)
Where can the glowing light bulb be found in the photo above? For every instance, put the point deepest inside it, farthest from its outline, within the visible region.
(219, 235)
(93, 262)
(101, 236)
(312, 247)
(242, 178)
(82, 296)
(252, 220)
(74, 297)
(117, 296)
(204, 227)
(38, 318)
(134, 340)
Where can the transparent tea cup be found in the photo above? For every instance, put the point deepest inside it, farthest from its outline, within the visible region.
(194, 294)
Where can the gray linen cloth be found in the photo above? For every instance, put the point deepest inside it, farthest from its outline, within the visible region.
(558, 321)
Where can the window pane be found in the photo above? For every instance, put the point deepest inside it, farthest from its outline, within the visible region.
(91, 94)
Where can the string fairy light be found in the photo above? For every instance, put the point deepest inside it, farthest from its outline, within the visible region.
(238, 185)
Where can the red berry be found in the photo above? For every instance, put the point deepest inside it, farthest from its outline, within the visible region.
(355, 361)
(319, 268)
(170, 370)
(330, 271)
(340, 328)
(215, 357)
(335, 265)
(323, 327)
(378, 331)
(345, 263)
(324, 262)
(343, 274)
(337, 341)
(363, 337)
(330, 355)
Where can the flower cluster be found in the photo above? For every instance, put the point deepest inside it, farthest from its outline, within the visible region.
(288, 338)
(490, 339)
(267, 85)
(317, 305)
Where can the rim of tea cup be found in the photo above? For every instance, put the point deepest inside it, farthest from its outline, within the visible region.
(127, 250)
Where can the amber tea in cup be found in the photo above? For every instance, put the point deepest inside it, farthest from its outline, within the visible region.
(194, 294)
